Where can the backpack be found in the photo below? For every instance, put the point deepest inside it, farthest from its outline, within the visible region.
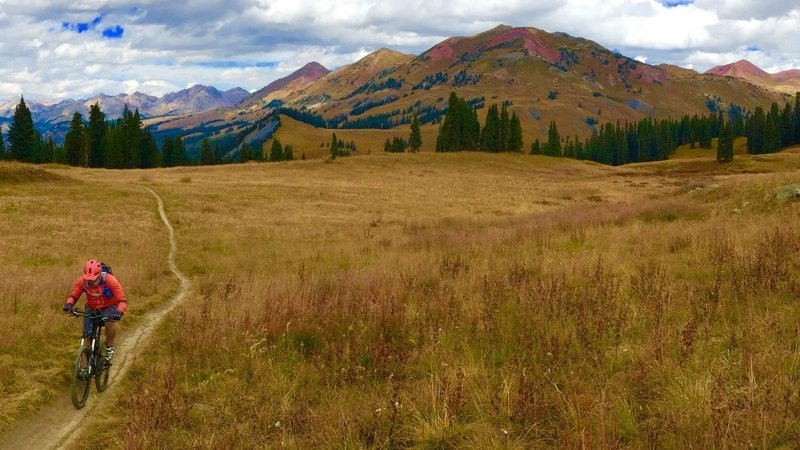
(104, 269)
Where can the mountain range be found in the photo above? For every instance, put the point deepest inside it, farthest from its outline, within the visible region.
(787, 81)
(192, 100)
(540, 76)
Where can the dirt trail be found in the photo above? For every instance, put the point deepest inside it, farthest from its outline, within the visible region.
(57, 424)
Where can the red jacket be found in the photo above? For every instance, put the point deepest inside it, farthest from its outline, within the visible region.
(100, 296)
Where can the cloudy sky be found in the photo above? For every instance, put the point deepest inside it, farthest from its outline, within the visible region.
(79, 48)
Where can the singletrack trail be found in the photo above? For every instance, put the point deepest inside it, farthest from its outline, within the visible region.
(57, 424)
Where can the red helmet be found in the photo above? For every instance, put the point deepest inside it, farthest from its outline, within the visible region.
(91, 270)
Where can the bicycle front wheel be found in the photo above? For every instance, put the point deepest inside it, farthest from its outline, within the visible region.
(102, 368)
(83, 379)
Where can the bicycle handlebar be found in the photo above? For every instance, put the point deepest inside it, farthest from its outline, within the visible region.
(93, 315)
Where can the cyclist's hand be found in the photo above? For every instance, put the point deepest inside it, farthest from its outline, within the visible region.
(116, 315)
(67, 307)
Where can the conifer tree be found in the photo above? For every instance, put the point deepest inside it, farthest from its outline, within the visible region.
(505, 126)
(181, 158)
(797, 118)
(490, 136)
(50, 151)
(168, 158)
(335, 152)
(288, 152)
(244, 152)
(515, 134)
(415, 136)
(460, 129)
(772, 135)
(21, 134)
(149, 151)
(96, 130)
(725, 144)
(553, 146)
(73, 142)
(276, 151)
(206, 154)
(3, 153)
(705, 133)
(756, 128)
(536, 147)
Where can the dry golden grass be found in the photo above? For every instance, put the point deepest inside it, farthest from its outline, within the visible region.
(470, 301)
(51, 224)
(306, 139)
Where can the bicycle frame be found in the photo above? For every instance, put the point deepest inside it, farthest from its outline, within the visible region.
(95, 364)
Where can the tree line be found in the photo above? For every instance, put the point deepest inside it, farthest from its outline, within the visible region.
(461, 130)
(618, 143)
(115, 144)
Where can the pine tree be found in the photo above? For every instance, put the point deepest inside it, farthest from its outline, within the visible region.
(51, 152)
(73, 142)
(206, 154)
(276, 151)
(288, 153)
(149, 151)
(181, 158)
(460, 129)
(490, 136)
(168, 152)
(756, 128)
(335, 152)
(22, 135)
(704, 134)
(217, 154)
(515, 134)
(772, 130)
(505, 126)
(3, 154)
(797, 118)
(415, 137)
(96, 130)
(536, 147)
(725, 144)
(553, 146)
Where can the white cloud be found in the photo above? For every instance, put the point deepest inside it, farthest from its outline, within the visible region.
(249, 43)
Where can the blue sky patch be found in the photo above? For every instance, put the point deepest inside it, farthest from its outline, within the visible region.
(81, 27)
(114, 32)
(753, 48)
(676, 3)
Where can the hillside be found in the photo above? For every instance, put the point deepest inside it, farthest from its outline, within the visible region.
(462, 300)
(283, 87)
(542, 76)
(787, 82)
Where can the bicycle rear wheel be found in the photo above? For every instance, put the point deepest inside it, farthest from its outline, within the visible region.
(82, 382)
(102, 367)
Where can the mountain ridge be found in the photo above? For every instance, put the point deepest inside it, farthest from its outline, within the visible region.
(194, 99)
(787, 81)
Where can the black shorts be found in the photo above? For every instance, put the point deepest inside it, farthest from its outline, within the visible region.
(88, 321)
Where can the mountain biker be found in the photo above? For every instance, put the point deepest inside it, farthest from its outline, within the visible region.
(104, 295)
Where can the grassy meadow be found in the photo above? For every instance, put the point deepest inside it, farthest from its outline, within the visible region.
(427, 301)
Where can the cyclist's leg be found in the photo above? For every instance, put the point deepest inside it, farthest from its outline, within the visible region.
(87, 331)
(111, 333)
(111, 327)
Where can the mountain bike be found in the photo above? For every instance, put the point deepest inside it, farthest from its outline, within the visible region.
(91, 361)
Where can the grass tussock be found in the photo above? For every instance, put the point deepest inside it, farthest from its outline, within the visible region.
(377, 305)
